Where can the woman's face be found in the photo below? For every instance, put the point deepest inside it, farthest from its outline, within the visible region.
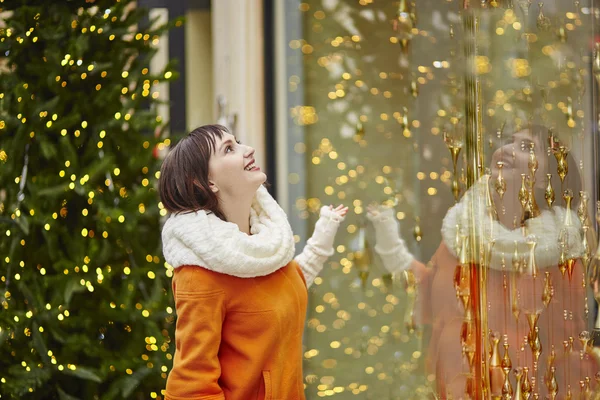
(515, 159)
(232, 170)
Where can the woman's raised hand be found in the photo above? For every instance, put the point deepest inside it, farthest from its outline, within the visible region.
(340, 210)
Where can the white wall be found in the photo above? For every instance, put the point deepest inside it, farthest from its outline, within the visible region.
(237, 37)
(199, 91)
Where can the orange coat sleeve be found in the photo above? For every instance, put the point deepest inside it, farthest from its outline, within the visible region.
(200, 315)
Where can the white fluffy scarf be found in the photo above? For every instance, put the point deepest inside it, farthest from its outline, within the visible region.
(203, 239)
(546, 228)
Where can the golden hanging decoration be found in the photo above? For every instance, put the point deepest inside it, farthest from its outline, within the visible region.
(526, 384)
(547, 293)
(454, 146)
(533, 337)
(405, 124)
(562, 260)
(362, 257)
(569, 114)
(568, 198)
(582, 208)
(549, 193)
(411, 292)
(561, 159)
(523, 198)
(596, 64)
(500, 184)
(525, 5)
(594, 266)
(562, 34)
(519, 390)
(495, 366)
(414, 88)
(543, 23)
(533, 164)
(506, 364)
(417, 233)
(403, 24)
(585, 258)
(551, 384)
(360, 130)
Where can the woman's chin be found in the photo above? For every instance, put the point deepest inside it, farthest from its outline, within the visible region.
(259, 179)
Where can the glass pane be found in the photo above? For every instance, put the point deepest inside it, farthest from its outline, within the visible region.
(472, 131)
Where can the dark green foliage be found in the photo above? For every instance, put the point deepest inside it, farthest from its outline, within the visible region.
(83, 282)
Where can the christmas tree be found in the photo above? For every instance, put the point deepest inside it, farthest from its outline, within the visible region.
(86, 306)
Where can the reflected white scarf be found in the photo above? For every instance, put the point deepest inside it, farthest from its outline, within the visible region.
(470, 214)
(203, 239)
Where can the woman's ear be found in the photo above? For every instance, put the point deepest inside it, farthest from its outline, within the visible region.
(213, 186)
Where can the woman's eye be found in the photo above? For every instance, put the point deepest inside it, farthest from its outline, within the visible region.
(526, 144)
(228, 149)
(238, 142)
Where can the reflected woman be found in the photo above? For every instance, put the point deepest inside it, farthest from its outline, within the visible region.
(545, 289)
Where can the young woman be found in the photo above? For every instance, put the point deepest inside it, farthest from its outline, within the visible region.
(240, 294)
(509, 301)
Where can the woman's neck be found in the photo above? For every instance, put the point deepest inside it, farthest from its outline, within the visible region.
(237, 211)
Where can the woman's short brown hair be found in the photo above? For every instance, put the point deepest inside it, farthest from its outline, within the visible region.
(183, 184)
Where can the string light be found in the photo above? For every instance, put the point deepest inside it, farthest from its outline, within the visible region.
(80, 198)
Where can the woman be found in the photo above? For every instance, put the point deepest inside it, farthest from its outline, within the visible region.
(511, 296)
(240, 295)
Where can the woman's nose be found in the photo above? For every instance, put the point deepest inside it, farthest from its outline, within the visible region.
(249, 152)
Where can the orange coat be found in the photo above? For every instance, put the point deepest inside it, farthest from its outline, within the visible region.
(238, 338)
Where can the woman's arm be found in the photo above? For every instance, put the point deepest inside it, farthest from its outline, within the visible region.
(200, 315)
(320, 246)
(388, 243)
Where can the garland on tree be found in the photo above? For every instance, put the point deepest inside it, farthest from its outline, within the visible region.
(86, 307)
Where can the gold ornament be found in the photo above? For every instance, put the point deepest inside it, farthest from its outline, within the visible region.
(362, 257)
(526, 384)
(585, 258)
(495, 366)
(414, 88)
(524, 5)
(506, 364)
(532, 265)
(596, 64)
(454, 146)
(360, 130)
(547, 293)
(411, 292)
(562, 260)
(582, 208)
(594, 268)
(569, 115)
(549, 193)
(543, 22)
(403, 24)
(519, 391)
(561, 159)
(500, 184)
(533, 336)
(417, 233)
(405, 125)
(523, 198)
(568, 197)
(562, 34)
(552, 385)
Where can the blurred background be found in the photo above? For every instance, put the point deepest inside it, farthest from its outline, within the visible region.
(346, 101)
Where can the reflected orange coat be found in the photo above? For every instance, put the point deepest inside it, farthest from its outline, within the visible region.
(440, 307)
(238, 339)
